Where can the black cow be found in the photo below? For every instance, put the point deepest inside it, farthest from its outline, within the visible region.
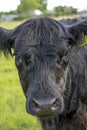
(52, 68)
(70, 21)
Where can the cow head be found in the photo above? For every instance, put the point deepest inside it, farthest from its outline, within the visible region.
(41, 49)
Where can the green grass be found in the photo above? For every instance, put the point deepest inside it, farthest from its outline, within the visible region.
(10, 25)
(13, 114)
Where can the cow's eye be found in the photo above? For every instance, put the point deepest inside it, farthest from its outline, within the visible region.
(28, 60)
(62, 58)
(62, 54)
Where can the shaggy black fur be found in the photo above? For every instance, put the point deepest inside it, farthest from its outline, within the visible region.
(52, 69)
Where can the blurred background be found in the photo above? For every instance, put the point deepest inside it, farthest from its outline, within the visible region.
(23, 9)
(13, 114)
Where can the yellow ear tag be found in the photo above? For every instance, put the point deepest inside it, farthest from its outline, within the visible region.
(84, 40)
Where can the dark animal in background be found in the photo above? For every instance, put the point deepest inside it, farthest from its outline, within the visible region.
(72, 21)
(52, 69)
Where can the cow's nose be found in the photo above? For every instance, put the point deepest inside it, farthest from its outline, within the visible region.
(42, 107)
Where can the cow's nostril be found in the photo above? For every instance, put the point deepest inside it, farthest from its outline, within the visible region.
(54, 101)
(35, 103)
(55, 105)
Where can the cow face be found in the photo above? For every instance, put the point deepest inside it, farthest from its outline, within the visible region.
(42, 62)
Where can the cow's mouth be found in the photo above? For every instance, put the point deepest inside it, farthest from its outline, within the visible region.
(49, 122)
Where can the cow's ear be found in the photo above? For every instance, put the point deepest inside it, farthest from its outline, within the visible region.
(8, 38)
(79, 32)
(6, 41)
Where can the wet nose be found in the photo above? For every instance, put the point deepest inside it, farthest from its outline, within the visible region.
(42, 107)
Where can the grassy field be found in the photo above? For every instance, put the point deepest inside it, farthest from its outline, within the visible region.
(13, 114)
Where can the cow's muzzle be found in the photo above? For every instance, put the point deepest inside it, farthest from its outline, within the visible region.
(44, 106)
